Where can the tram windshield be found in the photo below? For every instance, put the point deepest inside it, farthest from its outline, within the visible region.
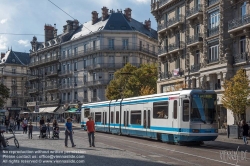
(203, 108)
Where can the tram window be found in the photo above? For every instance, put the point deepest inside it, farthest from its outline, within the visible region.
(112, 117)
(185, 110)
(175, 109)
(117, 116)
(160, 110)
(98, 117)
(86, 113)
(135, 117)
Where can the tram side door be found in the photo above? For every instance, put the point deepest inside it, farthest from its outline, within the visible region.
(126, 121)
(104, 120)
(146, 120)
(175, 114)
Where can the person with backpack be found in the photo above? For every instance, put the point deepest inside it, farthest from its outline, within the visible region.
(245, 128)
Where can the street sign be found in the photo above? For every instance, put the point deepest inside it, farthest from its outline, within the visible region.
(37, 108)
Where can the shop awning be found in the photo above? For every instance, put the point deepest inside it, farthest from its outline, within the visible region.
(49, 109)
(60, 110)
(41, 109)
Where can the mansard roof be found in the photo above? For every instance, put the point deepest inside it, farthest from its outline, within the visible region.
(18, 58)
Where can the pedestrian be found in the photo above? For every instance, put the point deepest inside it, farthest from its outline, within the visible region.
(25, 126)
(54, 124)
(12, 123)
(48, 129)
(30, 126)
(91, 131)
(7, 123)
(18, 123)
(245, 128)
(69, 132)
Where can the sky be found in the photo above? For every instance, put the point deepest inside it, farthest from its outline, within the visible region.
(29, 17)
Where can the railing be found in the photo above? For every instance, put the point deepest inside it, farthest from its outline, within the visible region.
(211, 2)
(238, 22)
(107, 48)
(194, 39)
(65, 72)
(15, 95)
(109, 65)
(49, 102)
(242, 57)
(42, 61)
(63, 86)
(194, 10)
(163, 50)
(48, 73)
(97, 82)
(195, 67)
(213, 60)
(51, 87)
(163, 2)
(94, 99)
(34, 90)
(165, 75)
(213, 31)
(174, 20)
(175, 46)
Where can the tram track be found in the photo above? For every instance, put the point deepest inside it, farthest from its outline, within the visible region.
(153, 148)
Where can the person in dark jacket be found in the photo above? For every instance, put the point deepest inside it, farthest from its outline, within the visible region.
(245, 128)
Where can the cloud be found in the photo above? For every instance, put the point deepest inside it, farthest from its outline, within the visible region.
(3, 43)
(3, 21)
(25, 43)
(142, 1)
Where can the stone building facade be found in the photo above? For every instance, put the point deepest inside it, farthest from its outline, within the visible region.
(201, 44)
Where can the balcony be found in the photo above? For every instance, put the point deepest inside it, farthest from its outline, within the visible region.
(242, 57)
(33, 90)
(51, 73)
(44, 61)
(175, 73)
(212, 2)
(195, 68)
(176, 47)
(194, 40)
(213, 31)
(213, 60)
(171, 23)
(162, 50)
(165, 75)
(239, 23)
(65, 72)
(164, 2)
(109, 49)
(97, 82)
(15, 95)
(66, 86)
(109, 66)
(51, 87)
(33, 78)
(51, 102)
(194, 11)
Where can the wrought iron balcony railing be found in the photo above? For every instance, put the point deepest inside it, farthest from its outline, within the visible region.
(213, 60)
(162, 50)
(174, 20)
(43, 61)
(238, 22)
(211, 2)
(194, 10)
(242, 57)
(195, 67)
(194, 39)
(176, 46)
(213, 31)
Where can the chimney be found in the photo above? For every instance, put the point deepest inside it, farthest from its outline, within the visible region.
(69, 25)
(75, 24)
(94, 17)
(48, 32)
(105, 11)
(147, 24)
(2, 55)
(55, 31)
(127, 13)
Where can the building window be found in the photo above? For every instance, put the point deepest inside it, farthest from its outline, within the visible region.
(111, 59)
(75, 50)
(166, 67)
(69, 97)
(177, 63)
(68, 67)
(13, 71)
(75, 79)
(64, 54)
(94, 60)
(242, 44)
(214, 53)
(75, 66)
(197, 29)
(75, 95)
(140, 45)
(85, 48)
(160, 110)
(125, 44)
(94, 93)
(214, 19)
(94, 76)
(84, 64)
(85, 94)
(94, 45)
(140, 60)
(111, 76)
(243, 9)
(68, 52)
(111, 44)
(197, 57)
(13, 82)
(84, 78)
(125, 60)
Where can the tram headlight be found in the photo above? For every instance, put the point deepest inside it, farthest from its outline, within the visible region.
(196, 131)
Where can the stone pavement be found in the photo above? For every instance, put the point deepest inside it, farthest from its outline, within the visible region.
(49, 152)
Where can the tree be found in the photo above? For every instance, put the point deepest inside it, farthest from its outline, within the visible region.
(235, 96)
(131, 81)
(177, 86)
(4, 94)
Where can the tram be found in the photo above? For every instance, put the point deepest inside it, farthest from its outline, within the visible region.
(175, 117)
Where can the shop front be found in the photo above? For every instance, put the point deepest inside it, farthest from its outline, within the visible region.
(14, 111)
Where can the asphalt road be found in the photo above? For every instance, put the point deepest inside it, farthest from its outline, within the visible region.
(114, 150)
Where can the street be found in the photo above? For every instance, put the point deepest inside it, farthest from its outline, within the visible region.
(115, 150)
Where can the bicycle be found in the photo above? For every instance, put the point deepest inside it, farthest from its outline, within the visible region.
(6, 139)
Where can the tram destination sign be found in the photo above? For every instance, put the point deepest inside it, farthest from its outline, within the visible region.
(209, 96)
